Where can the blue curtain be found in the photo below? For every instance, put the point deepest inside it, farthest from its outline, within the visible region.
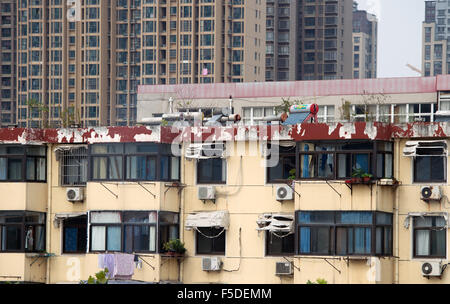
(70, 239)
(305, 239)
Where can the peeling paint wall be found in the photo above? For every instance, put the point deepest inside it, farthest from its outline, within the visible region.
(299, 132)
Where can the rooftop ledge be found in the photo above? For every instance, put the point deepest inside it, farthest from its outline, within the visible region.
(234, 132)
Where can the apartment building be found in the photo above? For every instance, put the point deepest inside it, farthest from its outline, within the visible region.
(7, 62)
(270, 205)
(365, 44)
(326, 40)
(282, 40)
(308, 40)
(436, 38)
(80, 61)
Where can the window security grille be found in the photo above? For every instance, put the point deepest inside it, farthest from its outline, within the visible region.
(73, 165)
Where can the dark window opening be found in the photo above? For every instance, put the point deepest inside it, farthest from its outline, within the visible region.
(211, 170)
(211, 241)
(279, 244)
(75, 235)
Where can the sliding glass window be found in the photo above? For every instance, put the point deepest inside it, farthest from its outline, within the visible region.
(133, 162)
(22, 163)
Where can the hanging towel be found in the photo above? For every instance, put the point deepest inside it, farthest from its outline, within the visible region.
(109, 262)
(123, 266)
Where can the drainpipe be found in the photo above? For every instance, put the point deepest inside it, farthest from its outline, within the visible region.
(49, 209)
(396, 212)
(181, 210)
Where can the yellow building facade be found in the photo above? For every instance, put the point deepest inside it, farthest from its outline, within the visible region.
(278, 205)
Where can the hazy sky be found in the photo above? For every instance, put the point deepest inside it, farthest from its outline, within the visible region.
(399, 35)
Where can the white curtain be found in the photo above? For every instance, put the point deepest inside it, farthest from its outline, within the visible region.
(105, 217)
(152, 238)
(98, 238)
(422, 242)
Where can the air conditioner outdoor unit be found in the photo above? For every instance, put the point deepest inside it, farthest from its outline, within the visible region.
(284, 193)
(431, 269)
(211, 264)
(74, 194)
(284, 268)
(431, 193)
(206, 193)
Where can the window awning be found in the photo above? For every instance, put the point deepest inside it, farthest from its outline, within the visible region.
(62, 216)
(276, 222)
(205, 150)
(425, 148)
(216, 219)
(421, 214)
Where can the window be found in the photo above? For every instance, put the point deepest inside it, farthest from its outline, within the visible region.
(138, 162)
(210, 240)
(22, 231)
(429, 237)
(168, 228)
(73, 166)
(279, 244)
(211, 171)
(344, 233)
(131, 231)
(22, 163)
(75, 234)
(283, 160)
(430, 162)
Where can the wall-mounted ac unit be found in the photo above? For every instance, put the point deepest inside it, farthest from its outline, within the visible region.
(75, 194)
(431, 193)
(284, 193)
(431, 269)
(284, 268)
(211, 264)
(206, 193)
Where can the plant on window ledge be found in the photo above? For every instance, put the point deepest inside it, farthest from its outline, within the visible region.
(357, 175)
(292, 174)
(366, 177)
(174, 247)
(101, 277)
(318, 281)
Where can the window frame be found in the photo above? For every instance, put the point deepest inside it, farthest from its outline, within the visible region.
(123, 226)
(78, 226)
(202, 181)
(65, 157)
(161, 152)
(372, 159)
(23, 224)
(212, 250)
(333, 234)
(414, 169)
(268, 252)
(430, 229)
(24, 157)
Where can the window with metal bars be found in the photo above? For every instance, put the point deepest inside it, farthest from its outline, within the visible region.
(73, 165)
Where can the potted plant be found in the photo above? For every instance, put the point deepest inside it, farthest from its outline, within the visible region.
(174, 247)
(366, 177)
(357, 175)
(291, 177)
